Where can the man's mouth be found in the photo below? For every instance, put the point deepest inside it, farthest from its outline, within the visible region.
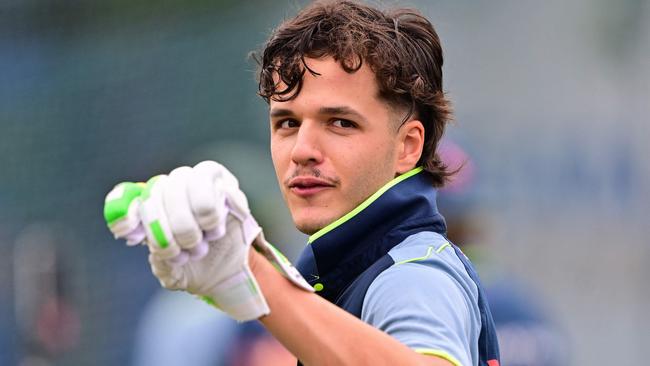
(308, 186)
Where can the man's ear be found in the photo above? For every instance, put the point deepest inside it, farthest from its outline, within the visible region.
(410, 144)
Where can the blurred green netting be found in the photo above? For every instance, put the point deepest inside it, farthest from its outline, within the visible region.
(551, 102)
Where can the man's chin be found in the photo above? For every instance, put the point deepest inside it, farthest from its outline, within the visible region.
(310, 227)
(311, 219)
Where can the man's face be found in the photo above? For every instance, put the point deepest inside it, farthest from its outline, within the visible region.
(334, 145)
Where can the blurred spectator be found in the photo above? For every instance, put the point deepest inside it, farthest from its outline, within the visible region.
(527, 335)
(178, 329)
(46, 315)
(254, 346)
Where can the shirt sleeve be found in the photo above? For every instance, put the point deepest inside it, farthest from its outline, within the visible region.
(429, 308)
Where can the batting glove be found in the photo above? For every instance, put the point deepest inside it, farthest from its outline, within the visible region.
(199, 230)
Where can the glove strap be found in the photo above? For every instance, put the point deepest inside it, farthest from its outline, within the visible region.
(281, 263)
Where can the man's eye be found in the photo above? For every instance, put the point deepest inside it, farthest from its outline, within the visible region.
(288, 123)
(343, 123)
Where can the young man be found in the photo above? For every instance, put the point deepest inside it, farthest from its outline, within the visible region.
(356, 110)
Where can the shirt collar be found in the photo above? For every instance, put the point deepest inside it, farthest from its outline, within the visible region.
(342, 250)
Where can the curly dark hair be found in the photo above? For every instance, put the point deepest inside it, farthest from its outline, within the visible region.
(400, 46)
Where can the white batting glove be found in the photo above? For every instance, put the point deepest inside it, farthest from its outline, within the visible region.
(199, 229)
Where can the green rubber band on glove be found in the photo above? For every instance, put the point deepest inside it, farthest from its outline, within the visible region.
(116, 209)
(159, 234)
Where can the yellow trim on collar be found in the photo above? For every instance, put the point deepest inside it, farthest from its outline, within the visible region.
(363, 204)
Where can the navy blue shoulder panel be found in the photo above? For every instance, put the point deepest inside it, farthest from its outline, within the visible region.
(488, 345)
(351, 300)
(352, 297)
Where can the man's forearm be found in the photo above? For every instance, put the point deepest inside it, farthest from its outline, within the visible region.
(319, 333)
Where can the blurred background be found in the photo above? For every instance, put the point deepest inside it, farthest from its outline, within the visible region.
(552, 103)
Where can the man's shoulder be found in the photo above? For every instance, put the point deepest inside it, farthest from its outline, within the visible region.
(425, 290)
(426, 248)
(428, 255)
(414, 244)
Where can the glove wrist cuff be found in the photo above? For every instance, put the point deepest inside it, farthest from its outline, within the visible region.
(239, 296)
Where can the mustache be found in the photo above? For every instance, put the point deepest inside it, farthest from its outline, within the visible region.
(312, 172)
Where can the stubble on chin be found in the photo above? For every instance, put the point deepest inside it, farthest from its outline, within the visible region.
(311, 227)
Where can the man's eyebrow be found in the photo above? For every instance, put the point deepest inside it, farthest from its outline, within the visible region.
(281, 112)
(341, 111)
(334, 110)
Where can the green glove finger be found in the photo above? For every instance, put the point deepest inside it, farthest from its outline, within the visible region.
(116, 206)
(154, 219)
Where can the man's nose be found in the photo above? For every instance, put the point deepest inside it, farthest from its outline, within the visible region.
(307, 149)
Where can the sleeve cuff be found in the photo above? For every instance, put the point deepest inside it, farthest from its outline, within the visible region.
(438, 353)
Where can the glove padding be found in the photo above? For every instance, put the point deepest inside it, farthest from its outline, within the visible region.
(199, 229)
